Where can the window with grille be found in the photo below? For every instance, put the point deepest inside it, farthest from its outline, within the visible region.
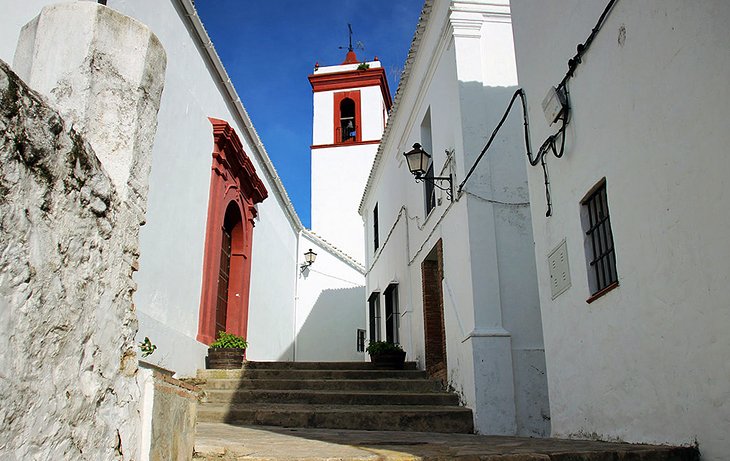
(360, 340)
(376, 239)
(391, 313)
(600, 252)
(374, 316)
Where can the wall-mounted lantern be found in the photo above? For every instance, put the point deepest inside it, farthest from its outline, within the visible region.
(419, 162)
(309, 258)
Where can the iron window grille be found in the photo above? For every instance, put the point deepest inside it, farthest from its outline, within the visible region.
(374, 316)
(391, 313)
(599, 240)
(376, 239)
(360, 340)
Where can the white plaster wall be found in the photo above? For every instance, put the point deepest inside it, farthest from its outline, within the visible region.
(647, 362)
(330, 299)
(492, 322)
(338, 180)
(371, 108)
(172, 241)
(323, 116)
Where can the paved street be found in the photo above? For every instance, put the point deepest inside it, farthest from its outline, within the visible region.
(216, 441)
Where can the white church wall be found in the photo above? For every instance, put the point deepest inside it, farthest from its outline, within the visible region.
(338, 180)
(647, 362)
(169, 288)
(323, 119)
(330, 299)
(372, 108)
(483, 233)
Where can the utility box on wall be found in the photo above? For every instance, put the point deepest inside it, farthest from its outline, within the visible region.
(559, 270)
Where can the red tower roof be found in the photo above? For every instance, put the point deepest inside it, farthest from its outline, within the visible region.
(351, 58)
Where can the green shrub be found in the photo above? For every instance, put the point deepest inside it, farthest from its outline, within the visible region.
(379, 347)
(147, 347)
(229, 340)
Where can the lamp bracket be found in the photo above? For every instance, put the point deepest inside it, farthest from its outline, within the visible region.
(448, 189)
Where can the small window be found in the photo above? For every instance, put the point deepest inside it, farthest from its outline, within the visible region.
(374, 316)
(360, 340)
(429, 191)
(392, 316)
(376, 239)
(600, 253)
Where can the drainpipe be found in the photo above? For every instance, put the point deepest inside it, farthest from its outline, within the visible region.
(296, 298)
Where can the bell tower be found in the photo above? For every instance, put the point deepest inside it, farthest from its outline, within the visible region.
(351, 103)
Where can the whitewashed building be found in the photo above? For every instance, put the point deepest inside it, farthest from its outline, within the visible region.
(213, 191)
(632, 264)
(453, 281)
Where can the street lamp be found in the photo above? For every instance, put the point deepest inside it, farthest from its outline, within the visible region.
(419, 162)
(309, 258)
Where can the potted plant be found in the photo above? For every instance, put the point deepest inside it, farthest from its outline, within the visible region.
(226, 352)
(386, 355)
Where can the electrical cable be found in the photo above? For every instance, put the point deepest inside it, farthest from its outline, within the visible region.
(521, 95)
(550, 144)
(583, 47)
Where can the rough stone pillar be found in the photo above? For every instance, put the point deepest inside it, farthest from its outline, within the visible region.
(73, 183)
(104, 72)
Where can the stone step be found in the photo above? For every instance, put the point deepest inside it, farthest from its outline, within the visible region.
(319, 397)
(318, 365)
(412, 385)
(247, 373)
(448, 419)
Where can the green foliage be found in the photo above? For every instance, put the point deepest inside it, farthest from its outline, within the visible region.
(379, 347)
(363, 66)
(229, 340)
(147, 347)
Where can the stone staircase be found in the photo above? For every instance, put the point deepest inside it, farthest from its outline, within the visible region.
(337, 395)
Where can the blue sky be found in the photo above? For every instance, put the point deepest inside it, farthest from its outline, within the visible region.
(269, 47)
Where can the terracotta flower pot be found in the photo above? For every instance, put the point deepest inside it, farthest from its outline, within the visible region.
(225, 358)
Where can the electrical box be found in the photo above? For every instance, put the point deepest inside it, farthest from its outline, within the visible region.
(553, 105)
(559, 270)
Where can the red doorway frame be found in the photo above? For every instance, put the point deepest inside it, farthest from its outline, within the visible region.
(233, 182)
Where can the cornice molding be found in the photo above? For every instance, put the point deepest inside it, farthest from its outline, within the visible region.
(351, 80)
(232, 159)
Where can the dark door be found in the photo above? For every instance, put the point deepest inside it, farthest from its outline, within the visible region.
(221, 308)
(433, 313)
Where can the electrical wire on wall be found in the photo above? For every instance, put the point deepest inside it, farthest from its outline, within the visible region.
(554, 143)
(562, 95)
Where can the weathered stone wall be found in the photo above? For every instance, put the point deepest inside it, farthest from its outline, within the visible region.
(67, 324)
(73, 184)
